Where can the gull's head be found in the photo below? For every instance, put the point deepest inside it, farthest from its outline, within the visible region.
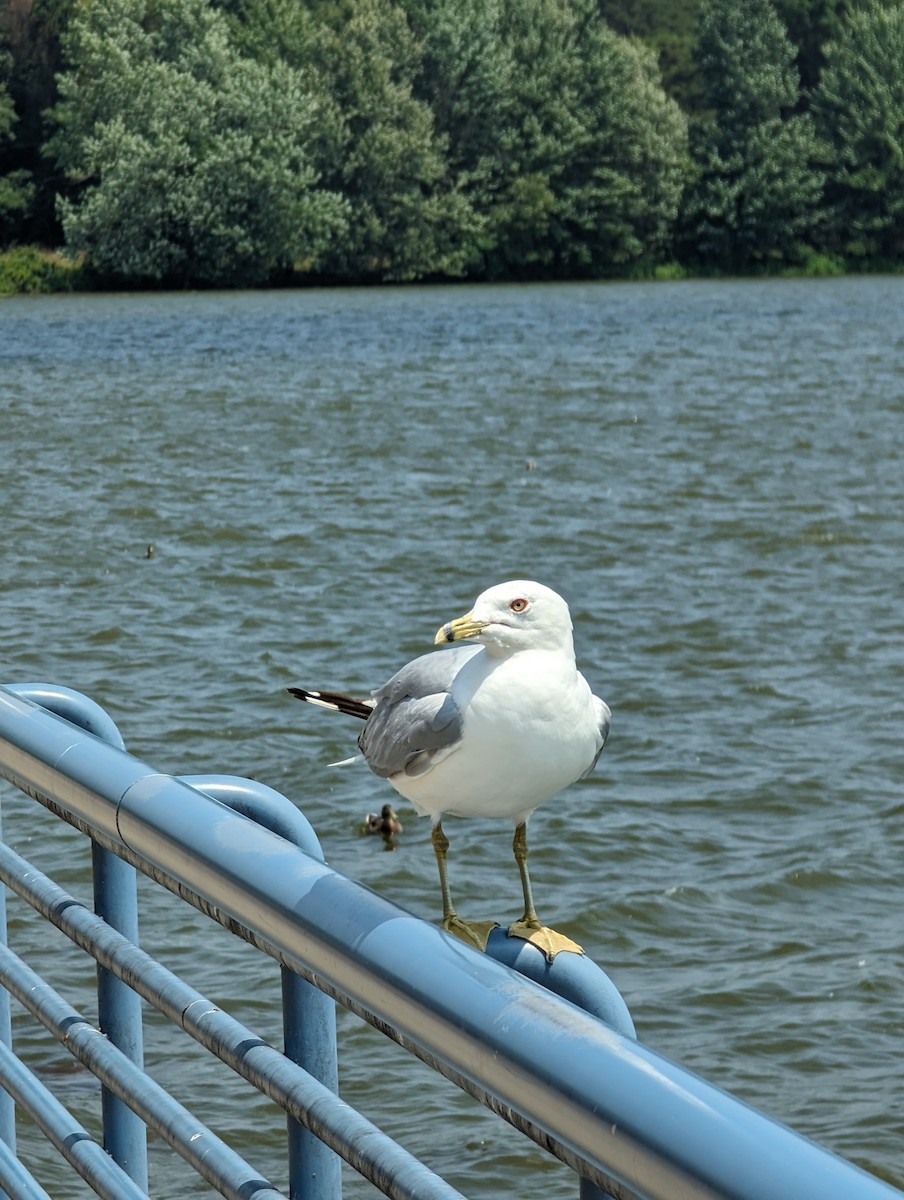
(513, 616)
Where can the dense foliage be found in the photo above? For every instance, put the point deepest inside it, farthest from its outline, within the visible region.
(15, 183)
(236, 142)
(860, 108)
(756, 194)
(558, 134)
(190, 159)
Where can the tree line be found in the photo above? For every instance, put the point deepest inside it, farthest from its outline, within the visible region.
(243, 142)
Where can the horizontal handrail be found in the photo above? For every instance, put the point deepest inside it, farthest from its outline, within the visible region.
(15, 1179)
(209, 1155)
(623, 1116)
(66, 1134)
(294, 1089)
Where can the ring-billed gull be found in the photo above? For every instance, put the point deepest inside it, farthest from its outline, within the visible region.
(490, 728)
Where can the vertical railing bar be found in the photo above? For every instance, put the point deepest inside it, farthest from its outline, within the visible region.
(315, 1172)
(119, 1011)
(116, 900)
(7, 1105)
(309, 1016)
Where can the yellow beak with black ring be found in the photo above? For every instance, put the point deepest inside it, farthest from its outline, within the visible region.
(459, 629)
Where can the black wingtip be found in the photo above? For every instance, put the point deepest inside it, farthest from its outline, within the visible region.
(335, 702)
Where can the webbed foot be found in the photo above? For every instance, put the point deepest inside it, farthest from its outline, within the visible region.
(548, 940)
(475, 933)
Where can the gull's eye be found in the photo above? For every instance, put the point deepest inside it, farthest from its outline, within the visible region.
(519, 605)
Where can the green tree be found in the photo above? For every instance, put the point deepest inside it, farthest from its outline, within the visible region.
(271, 30)
(189, 160)
(668, 28)
(621, 175)
(466, 76)
(756, 196)
(860, 111)
(32, 30)
(15, 182)
(810, 25)
(558, 131)
(383, 153)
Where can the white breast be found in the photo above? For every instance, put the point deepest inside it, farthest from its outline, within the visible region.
(530, 729)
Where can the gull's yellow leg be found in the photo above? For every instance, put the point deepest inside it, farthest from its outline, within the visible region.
(519, 849)
(529, 927)
(441, 849)
(475, 933)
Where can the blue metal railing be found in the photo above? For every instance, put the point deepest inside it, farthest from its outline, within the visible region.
(627, 1120)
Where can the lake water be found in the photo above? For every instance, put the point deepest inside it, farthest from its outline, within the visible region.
(712, 473)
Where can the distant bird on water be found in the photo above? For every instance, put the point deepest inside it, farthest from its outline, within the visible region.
(491, 728)
(386, 821)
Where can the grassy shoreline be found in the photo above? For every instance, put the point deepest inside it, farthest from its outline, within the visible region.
(33, 271)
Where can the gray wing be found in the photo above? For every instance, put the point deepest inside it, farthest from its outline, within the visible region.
(604, 715)
(415, 715)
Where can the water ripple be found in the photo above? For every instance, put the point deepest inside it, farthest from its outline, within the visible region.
(710, 472)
